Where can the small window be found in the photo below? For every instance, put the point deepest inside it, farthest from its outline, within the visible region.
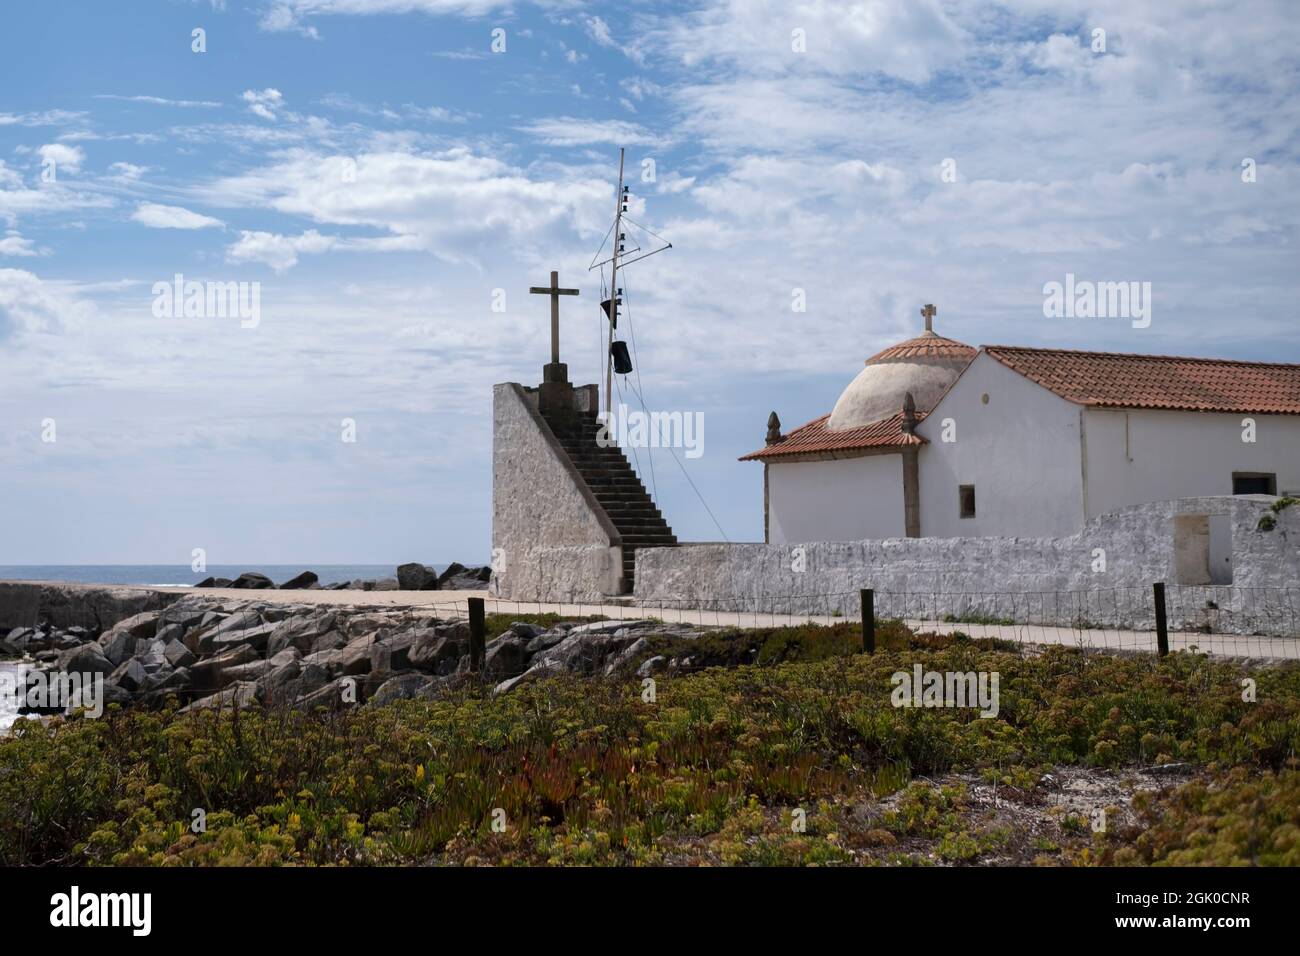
(966, 495)
(1254, 483)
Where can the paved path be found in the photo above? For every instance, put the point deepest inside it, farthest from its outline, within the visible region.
(454, 603)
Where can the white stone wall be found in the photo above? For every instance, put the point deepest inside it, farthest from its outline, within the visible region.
(1032, 580)
(550, 540)
(842, 500)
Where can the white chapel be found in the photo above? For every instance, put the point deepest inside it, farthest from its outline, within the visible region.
(936, 438)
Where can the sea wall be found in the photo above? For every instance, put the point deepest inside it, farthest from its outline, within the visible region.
(1101, 575)
(26, 603)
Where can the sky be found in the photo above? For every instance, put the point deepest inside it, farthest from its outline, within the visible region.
(394, 174)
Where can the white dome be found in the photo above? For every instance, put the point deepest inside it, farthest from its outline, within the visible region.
(924, 366)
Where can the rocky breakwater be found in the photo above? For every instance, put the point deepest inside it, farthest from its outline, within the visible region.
(207, 652)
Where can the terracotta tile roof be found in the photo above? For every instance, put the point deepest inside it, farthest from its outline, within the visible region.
(928, 345)
(1123, 380)
(815, 438)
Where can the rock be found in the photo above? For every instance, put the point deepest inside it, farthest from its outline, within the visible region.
(544, 640)
(416, 577)
(525, 630)
(437, 649)
(210, 671)
(505, 656)
(236, 695)
(85, 659)
(118, 647)
(214, 583)
(334, 695)
(85, 696)
(584, 651)
(177, 654)
(256, 636)
(387, 584)
(252, 580)
(354, 657)
(329, 641)
(539, 672)
(170, 632)
(457, 577)
(626, 656)
(249, 671)
(392, 652)
(300, 632)
(399, 687)
(652, 665)
(131, 676)
(303, 581)
(143, 625)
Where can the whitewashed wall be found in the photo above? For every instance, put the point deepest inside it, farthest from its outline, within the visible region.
(842, 500)
(1021, 451)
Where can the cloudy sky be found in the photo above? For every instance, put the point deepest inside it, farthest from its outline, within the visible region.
(379, 169)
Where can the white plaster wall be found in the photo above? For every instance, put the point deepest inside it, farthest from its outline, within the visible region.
(842, 500)
(1021, 451)
(1145, 455)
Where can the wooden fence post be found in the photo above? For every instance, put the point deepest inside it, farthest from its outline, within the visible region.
(477, 635)
(868, 597)
(1162, 625)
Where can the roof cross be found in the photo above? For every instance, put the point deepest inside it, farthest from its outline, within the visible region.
(929, 312)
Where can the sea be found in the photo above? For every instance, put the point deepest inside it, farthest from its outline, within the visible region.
(181, 575)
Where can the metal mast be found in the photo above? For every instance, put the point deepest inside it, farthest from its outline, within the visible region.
(619, 199)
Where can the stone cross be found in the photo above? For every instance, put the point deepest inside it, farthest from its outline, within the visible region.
(554, 291)
(929, 312)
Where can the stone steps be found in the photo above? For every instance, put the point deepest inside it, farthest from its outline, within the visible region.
(615, 485)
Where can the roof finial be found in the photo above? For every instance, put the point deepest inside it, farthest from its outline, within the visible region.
(773, 429)
(929, 312)
(908, 424)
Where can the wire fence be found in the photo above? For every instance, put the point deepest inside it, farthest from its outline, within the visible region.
(219, 641)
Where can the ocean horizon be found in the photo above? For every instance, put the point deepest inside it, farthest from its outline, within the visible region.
(181, 575)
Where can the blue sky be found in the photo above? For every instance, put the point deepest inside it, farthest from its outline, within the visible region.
(775, 170)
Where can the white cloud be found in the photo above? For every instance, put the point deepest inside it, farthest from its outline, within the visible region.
(66, 159)
(29, 304)
(159, 101)
(454, 204)
(264, 103)
(278, 252)
(598, 30)
(572, 131)
(281, 15)
(15, 245)
(128, 171)
(157, 216)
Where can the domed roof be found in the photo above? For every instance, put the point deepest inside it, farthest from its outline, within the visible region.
(924, 366)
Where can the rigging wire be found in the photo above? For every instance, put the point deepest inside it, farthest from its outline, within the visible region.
(636, 366)
(641, 397)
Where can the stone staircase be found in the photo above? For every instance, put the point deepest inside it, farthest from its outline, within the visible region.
(615, 485)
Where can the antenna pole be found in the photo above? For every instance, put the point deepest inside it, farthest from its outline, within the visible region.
(613, 285)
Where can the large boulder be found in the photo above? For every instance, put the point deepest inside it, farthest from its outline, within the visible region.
(119, 641)
(399, 687)
(211, 582)
(210, 671)
(416, 577)
(438, 649)
(242, 694)
(253, 581)
(301, 632)
(85, 659)
(505, 656)
(305, 580)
